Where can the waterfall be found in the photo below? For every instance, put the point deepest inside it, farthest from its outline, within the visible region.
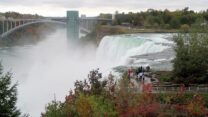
(117, 50)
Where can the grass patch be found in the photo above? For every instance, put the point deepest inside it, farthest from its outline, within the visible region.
(165, 77)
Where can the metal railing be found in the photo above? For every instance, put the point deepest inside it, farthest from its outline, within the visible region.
(170, 88)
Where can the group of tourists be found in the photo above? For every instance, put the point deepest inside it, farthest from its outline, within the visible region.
(138, 72)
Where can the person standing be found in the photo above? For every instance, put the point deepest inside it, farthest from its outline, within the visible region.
(137, 70)
(148, 68)
(141, 69)
(140, 76)
(137, 78)
(129, 73)
(143, 79)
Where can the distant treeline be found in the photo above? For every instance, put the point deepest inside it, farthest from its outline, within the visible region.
(159, 18)
(17, 15)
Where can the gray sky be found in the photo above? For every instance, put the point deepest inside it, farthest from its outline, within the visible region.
(94, 7)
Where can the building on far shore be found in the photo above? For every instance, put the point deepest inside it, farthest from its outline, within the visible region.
(10, 18)
(83, 16)
(125, 24)
(203, 24)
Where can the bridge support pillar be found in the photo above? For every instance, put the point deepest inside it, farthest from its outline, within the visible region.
(15, 23)
(3, 26)
(11, 24)
(7, 26)
(72, 23)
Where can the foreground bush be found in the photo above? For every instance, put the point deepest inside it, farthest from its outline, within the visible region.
(110, 98)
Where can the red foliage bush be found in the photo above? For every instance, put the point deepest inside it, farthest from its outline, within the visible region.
(150, 110)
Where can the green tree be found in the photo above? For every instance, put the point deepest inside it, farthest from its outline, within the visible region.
(205, 14)
(126, 90)
(166, 16)
(191, 63)
(185, 27)
(102, 106)
(53, 109)
(115, 22)
(61, 109)
(137, 21)
(8, 96)
(96, 85)
(175, 23)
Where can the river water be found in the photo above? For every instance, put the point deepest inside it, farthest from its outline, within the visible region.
(49, 69)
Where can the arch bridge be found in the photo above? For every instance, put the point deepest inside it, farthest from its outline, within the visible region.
(85, 24)
(11, 25)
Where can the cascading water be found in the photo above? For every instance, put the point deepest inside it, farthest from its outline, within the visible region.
(117, 50)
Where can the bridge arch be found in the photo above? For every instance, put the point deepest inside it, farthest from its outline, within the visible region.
(5, 34)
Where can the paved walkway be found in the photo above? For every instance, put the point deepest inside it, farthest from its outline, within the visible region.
(138, 84)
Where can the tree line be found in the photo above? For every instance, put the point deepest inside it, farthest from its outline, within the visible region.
(17, 15)
(164, 19)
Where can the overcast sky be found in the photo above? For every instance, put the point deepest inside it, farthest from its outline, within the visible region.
(94, 7)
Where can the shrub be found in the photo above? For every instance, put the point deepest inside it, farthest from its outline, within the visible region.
(84, 107)
(185, 27)
(196, 107)
(126, 101)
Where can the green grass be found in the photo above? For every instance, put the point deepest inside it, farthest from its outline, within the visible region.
(165, 77)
